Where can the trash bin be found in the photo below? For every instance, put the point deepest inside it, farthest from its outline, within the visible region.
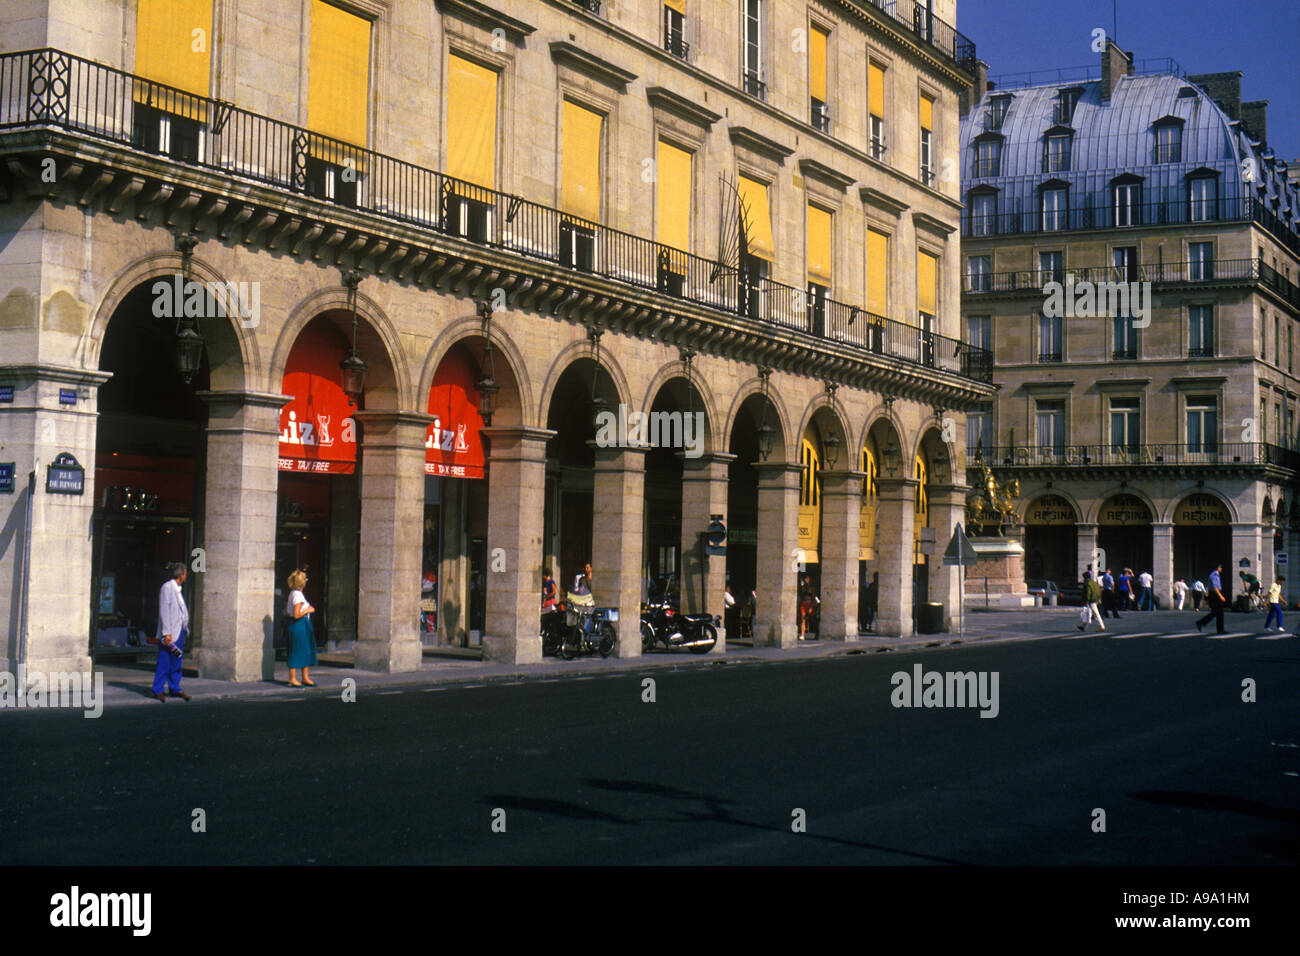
(929, 618)
(1038, 599)
(1051, 599)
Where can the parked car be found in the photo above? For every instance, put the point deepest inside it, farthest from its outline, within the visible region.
(1044, 589)
(1071, 595)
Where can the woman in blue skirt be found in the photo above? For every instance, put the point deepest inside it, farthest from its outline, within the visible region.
(302, 636)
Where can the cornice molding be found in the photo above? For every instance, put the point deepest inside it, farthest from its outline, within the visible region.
(930, 224)
(662, 98)
(882, 201)
(481, 15)
(811, 169)
(588, 64)
(746, 138)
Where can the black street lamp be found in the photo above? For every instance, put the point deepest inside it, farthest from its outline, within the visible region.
(189, 342)
(831, 449)
(354, 369)
(766, 433)
(893, 459)
(487, 386)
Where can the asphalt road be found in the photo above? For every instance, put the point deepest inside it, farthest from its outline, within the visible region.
(1152, 731)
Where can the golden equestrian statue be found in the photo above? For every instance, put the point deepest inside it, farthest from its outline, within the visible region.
(993, 506)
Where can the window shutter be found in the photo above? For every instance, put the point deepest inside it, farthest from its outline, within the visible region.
(819, 245)
(338, 75)
(471, 122)
(164, 53)
(678, 5)
(877, 273)
(754, 195)
(817, 64)
(580, 185)
(927, 113)
(926, 277)
(673, 201)
(875, 90)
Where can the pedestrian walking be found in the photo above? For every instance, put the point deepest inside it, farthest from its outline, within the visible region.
(1275, 603)
(1215, 597)
(1091, 598)
(1125, 589)
(1144, 599)
(1108, 597)
(1180, 593)
(872, 600)
(807, 601)
(173, 630)
(1198, 594)
(302, 635)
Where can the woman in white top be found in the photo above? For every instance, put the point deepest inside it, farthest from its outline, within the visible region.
(302, 636)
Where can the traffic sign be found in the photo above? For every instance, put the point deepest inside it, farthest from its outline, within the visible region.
(960, 550)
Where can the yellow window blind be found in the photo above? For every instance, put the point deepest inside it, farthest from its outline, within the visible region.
(810, 505)
(471, 123)
(168, 51)
(338, 78)
(673, 202)
(580, 183)
(817, 64)
(877, 273)
(927, 112)
(867, 511)
(819, 245)
(875, 90)
(758, 219)
(926, 276)
(678, 5)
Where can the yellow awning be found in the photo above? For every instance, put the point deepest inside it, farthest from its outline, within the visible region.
(168, 50)
(678, 5)
(926, 277)
(758, 219)
(867, 512)
(877, 273)
(817, 64)
(927, 112)
(673, 202)
(580, 182)
(471, 122)
(875, 90)
(810, 505)
(819, 245)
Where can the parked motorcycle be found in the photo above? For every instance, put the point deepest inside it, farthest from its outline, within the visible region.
(554, 628)
(661, 623)
(590, 630)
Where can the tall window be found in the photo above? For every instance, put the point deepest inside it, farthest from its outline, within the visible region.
(927, 294)
(675, 28)
(1169, 143)
(1202, 423)
(877, 273)
(1200, 337)
(820, 109)
(997, 112)
(979, 331)
(1051, 267)
(1125, 337)
(979, 274)
(1200, 267)
(1277, 423)
(1050, 344)
(164, 121)
(927, 136)
(1263, 333)
(672, 215)
(1056, 153)
(758, 248)
(1203, 198)
(1125, 425)
(819, 265)
(1127, 203)
(1124, 259)
(1290, 347)
(471, 146)
(1050, 421)
(979, 428)
(922, 19)
(1054, 209)
(1066, 101)
(983, 214)
(580, 185)
(1277, 339)
(988, 158)
(754, 84)
(876, 109)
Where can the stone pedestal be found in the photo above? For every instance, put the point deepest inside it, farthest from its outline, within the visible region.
(999, 573)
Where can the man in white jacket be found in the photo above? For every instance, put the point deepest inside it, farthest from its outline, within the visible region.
(173, 621)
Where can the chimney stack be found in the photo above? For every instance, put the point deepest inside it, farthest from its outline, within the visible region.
(1254, 116)
(970, 98)
(1224, 89)
(1115, 63)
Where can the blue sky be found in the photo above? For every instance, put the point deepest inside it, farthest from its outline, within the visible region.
(1261, 38)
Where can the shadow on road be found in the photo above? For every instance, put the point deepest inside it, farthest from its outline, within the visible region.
(1211, 801)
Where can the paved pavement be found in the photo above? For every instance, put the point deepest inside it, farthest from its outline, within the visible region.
(129, 683)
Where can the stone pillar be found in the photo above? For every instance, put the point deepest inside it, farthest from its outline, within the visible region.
(704, 494)
(238, 579)
(778, 541)
(617, 539)
(947, 510)
(1292, 539)
(1162, 560)
(392, 528)
(516, 495)
(1245, 544)
(1087, 544)
(841, 514)
(897, 501)
(1267, 567)
(49, 630)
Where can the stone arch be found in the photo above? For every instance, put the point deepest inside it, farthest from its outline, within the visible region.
(1103, 497)
(929, 439)
(574, 352)
(752, 387)
(1177, 497)
(889, 423)
(224, 340)
(820, 408)
(468, 329)
(1070, 498)
(674, 371)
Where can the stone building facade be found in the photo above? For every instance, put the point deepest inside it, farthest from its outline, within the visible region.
(516, 216)
(1157, 433)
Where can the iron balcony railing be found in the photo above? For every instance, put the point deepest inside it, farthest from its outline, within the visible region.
(51, 88)
(928, 28)
(1100, 212)
(755, 86)
(1157, 273)
(1103, 455)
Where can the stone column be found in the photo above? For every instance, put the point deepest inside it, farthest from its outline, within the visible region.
(51, 628)
(516, 495)
(1087, 544)
(897, 500)
(1162, 560)
(841, 511)
(392, 528)
(1292, 587)
(1245, 544)
(778, 541)
(1267, 567)
(947, 510)
(704, 494)
(238, 576)
(617, 539)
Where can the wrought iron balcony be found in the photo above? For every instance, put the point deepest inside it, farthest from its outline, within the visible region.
(925, 26)
(821, 116)
(591, 6)
(1049, 357)
(1216, 454)
(754, 86)
(675, 45)
(49, 88)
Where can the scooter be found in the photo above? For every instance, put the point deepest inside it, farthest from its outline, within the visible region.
(661, 623)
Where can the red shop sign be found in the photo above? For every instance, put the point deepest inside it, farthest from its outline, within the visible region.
(453, 447)
(317, 433)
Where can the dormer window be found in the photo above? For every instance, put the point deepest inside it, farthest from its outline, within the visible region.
(1203, 195)
(1066, 101)
(1056, 152)
(1169, 140)
(1126, 200)
(997, 112)
(988, 157)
